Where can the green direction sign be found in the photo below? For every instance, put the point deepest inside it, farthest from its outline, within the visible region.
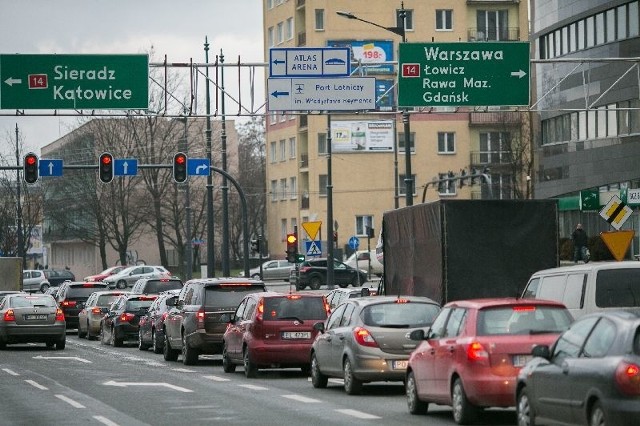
(459, 74)
(74, 81)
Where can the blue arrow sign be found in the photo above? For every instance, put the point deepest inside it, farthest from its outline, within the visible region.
(354, 243)
(49, 168)
(198, 166)
(125, 167)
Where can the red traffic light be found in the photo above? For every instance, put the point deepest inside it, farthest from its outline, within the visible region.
(30, 168)
(181, 159)
(105, 168)
(30, 160)
(105, 159)
(180, 167)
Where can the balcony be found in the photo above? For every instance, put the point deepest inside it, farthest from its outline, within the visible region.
(303, 122)
(302, 38)
(501, 118)
(491, 159)
(504, 34)
(304, 161)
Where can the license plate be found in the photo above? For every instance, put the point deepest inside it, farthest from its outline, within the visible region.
(521, 360)
(400, 365)
(36, 317)
(296, 335)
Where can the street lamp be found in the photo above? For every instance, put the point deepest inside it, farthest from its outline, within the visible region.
(401, 31)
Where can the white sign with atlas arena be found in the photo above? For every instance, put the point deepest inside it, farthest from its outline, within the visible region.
(322, 94)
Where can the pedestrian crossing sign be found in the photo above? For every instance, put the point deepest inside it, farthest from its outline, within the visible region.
(314, 248)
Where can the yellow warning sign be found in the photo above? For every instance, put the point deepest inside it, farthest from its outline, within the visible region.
(617, 242)
(616, 212)
(312, 228)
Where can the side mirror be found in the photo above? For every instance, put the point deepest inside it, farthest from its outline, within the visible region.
(319, 326)
(541, 351)
(228, 318)
(417, 335)
(171, 301)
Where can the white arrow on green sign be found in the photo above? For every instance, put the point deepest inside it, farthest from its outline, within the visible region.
(74, 81)
(463, 74)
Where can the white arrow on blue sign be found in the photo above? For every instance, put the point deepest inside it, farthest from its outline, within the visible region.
(354, 243)
(49, 167)
(198, 166)
(125, 167)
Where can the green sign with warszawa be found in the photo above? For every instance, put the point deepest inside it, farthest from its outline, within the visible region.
(74, 81)
(463, 74)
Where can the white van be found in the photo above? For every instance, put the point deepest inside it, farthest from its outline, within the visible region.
(363, 257)
(591, 287)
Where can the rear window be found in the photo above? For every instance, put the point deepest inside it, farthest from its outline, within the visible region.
(81, 291)
(107, 299)
(522, 319)
(157, 286)
(400, 315)
(302, 308)
(618, 288)
(28, 301)
(228, 296)
(136, 304)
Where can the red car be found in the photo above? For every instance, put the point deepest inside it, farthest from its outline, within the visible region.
(104, 274)
(273, 330)
(472, 353)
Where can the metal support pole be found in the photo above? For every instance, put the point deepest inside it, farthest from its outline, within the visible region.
(408, 178)
(210, 246)
(225, 185)
(330, 270)
(19, 241)
(187, 209)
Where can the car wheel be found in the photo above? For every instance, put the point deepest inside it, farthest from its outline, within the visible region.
(597, 417)
(122, 284)
(300, 287)
(44, 287)
(415, 405)
(227, 365)
(318, 380)
(61, 343)
(524, 411)
(115, 341)
(352, 385)
(81, 334)
(141, 345)
(463, 412)
(156, 343)
(343, 285)
(250, 369)
(189, 354)
(255, 276)
(315, 283)
(168, 353)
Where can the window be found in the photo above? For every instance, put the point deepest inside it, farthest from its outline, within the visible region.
(294, 225)
(446, 187)
(322, 143)
(319, 19)
(293, 188)
(289, 28)
(274, 190)
(283, 229)
(361, 225)
(283, 188)
(591, 36)
(272, 152)
(456, 319)
(408, 20)
(412, 142)
(292, 147)
(283, 150)
(600, 340)
(270, 37)
(569, 344)
(622, 22)
(492, 24)
(492, 147)
(600, 29)
(446, 143)
(634, 20)
(280, 33)
(444, 20)
(322, 185)
(402, 188)
(572, 38)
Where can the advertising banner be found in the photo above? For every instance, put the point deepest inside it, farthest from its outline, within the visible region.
(362, 136)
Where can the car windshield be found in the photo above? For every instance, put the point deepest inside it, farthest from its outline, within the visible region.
(106, 300)
(136, 304)
(618, 288)
(230, 296)
(302, 308)
(82, 291)
(522, 319)
(400, 314)
(28, 301)
(156, 286)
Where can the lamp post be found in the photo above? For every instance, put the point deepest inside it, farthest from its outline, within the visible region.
(401, 31)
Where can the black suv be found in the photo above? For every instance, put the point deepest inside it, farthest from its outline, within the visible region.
(194, 325)
(156, 285)
(72, 297)
(313, 273)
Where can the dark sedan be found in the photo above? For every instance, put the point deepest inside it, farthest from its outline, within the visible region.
(590, 376)
(151, 331)
(121, 322)
(313, 273)
(26, 318)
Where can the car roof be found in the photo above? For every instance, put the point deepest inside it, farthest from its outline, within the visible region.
(110, 292)
(271, 294)
(85, 284)
(591, 266)
(226, 280)
(365, 301)
(501, 301)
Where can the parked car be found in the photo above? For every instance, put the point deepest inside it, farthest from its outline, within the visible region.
(72, 297)
(120, 323)
(34, 280)
(361, 260)
(366, 339)
(128, 276)
(27, 318)
(339, 295)
(55, 277)
(591, 375)
(96, 306)
(156, 285)
(587, 288)
(272, 330)
(472, 353)
(195, 325)
(104, 274)
(313, 273)
(151, 331)
(271, 270)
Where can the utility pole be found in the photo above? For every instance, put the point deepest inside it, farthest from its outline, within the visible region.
(187, 208)
(20, 249)
(225, 186)
(210, 246)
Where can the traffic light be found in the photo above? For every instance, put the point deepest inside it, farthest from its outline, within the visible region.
(292, 248)
(180, 167)
(30, 166)
(105, 168)
(255, 246)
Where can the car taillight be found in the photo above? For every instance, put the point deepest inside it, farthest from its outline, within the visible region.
(9, 315)
(628, 378)
(96, 311)
(476, 352)
(68, 303)
(364, 338)
(164, 316)
(260, 308)
(126, 317)
(524, 308)
(200, 318)
(327, 307)
(59, 315)
(304, 268)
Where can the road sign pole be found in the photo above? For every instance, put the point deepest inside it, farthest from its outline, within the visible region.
(330, 269)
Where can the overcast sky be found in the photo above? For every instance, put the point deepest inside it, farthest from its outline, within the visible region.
(176, 28)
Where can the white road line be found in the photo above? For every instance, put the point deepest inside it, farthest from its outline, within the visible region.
(183, 370)
(253, 387)
(36, 385)
(358, 414)
(8, 371)
(336, 381)
(301, 398)
(217, 378)
(105, 421)
(70, 401)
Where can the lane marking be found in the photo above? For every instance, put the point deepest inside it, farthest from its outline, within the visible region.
(183, 370)
(86, 361)
(105, 421)
(126, 384)
(70, 401)
(253, 387)
(358, 414)
(336, 381)
(301, 398)
(217, 378)
(36, 385)
(8, 371)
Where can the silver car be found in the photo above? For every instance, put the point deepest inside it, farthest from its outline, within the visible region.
(271, 270)
(128, 276)
(34, 280)
(26, 318)
(367, 339)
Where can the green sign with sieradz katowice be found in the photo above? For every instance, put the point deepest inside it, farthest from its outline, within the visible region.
(74, 81)
(463, 74)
